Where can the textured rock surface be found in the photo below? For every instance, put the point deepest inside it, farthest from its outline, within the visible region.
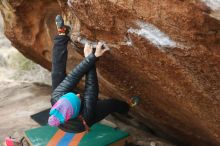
(165, 51)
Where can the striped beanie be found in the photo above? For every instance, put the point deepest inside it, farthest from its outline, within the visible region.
(67, 107)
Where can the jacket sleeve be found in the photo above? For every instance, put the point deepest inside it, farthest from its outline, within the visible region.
(90, 96)
(73, 78)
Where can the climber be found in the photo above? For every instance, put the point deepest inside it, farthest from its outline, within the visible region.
(73, 112)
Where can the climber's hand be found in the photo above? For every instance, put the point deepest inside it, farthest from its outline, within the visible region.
(87, 49)
(101, 48)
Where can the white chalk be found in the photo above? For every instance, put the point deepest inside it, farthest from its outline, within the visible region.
(154, 35)
(83, 41)
(213, 4)
(128, 41)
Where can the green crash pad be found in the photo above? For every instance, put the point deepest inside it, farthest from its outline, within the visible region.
(99, 135)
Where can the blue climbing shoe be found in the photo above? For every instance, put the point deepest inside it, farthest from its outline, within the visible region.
(59, 21)
(61, 27)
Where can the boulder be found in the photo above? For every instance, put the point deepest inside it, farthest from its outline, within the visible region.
(166, 52)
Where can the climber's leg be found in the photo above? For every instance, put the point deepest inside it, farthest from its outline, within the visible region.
(90, 95)
(59, 54)
(59, 59)
(108, 106)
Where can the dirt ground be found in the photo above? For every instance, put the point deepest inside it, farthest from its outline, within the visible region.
(19, 100)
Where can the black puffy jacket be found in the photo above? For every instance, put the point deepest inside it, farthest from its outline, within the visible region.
(87, 66)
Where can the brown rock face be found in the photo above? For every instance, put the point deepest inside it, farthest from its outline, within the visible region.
(166, 51)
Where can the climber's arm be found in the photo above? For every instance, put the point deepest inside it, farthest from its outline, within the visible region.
(90, 95)
(92, 88)
(73, 78)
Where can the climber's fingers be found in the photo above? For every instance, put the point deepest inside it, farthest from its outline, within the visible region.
(87, 49)
(101, 48)
(106, 48)
(99, 45)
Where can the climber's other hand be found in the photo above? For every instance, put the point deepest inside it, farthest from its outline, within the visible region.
(87, 49)
(101, 48)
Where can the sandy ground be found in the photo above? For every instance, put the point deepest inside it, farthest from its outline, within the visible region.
(19, 100)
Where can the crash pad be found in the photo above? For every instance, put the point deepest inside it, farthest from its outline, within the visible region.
(99, 135)
(41, 117)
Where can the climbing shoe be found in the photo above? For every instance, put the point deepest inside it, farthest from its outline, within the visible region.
(61, 28)
(135, 100)
(59, 22)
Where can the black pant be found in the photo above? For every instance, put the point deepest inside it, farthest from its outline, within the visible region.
(100, 108)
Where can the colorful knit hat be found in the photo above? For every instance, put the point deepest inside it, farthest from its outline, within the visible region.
(67, 107)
